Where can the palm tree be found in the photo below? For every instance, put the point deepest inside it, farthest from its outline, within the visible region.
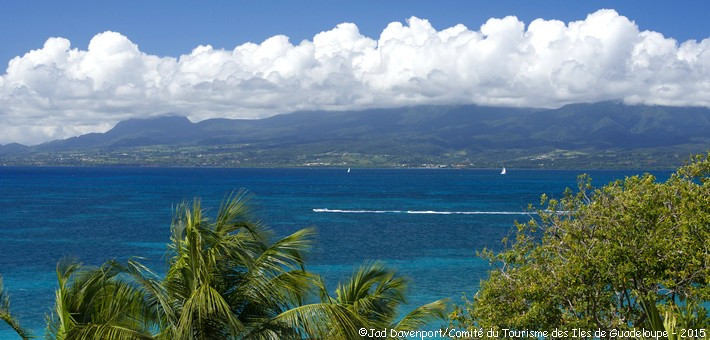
(6, 316)
(226, 279)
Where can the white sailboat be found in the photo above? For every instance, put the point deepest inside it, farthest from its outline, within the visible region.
(348, 170)
(503, 172)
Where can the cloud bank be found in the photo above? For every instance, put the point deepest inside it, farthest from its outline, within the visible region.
(59, 91)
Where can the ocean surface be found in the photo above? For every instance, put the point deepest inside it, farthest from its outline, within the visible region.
(427, 223)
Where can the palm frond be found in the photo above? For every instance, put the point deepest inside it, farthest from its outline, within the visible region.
(151, 288)
(285, 254)
(7, 317)
(423, 315)
(106, 331)
(235, 215)
(61, 321)
(321, 321)
(374, 292)
(91, 300)
(206, 305)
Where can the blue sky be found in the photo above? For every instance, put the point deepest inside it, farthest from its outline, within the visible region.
(175, 27)
(74, 67)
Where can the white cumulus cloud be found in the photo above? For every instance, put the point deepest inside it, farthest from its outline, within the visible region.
(59, 91)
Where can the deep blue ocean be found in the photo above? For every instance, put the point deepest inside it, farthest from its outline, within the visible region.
(427, 223)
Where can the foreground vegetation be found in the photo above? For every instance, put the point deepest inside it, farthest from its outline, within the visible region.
(226, 278)
(632, 254)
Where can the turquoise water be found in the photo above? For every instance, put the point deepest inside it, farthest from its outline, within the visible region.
(427, 223)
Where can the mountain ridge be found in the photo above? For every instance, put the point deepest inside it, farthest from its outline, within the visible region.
(413, 133)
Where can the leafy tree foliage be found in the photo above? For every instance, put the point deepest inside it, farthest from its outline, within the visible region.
(611, 257)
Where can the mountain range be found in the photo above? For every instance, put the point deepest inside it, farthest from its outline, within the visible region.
(410, 136)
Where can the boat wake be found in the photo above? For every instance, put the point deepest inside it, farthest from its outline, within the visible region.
(423, 212)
